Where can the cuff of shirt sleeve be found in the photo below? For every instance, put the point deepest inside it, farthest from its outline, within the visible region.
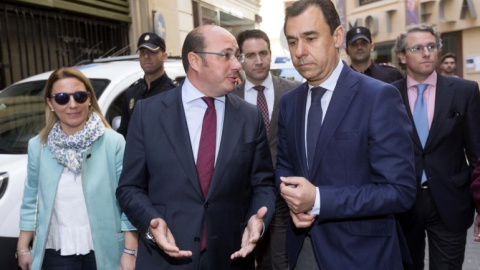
(316, 206)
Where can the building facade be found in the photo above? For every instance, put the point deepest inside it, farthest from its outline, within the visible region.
(41, 35)
(173, 20)
(457, 20)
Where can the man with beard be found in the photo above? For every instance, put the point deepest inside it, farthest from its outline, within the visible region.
(359, 47)
(448, 64)
(264, 90)
(151, 50)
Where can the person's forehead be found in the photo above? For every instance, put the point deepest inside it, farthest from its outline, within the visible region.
(220, 42)
(255, 44)
(449, 59)
(360, 40)
(419, 37)
(312, 21)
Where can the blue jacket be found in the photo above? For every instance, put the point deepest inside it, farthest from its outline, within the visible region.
(101, 170)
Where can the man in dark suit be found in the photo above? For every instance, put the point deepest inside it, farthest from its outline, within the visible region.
(345, 157)
(264, 90)
(198, 181)
(445, 112)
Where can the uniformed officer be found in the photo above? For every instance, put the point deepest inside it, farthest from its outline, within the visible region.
(151, 50)
(359, 47)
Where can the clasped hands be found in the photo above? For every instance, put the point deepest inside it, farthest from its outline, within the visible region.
(165, 240)
(299, 194)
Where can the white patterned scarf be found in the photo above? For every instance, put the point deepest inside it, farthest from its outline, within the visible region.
(69, 150)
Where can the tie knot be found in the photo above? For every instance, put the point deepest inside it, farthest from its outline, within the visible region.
(210, 101)
(259, 88)
(421, 88)
(317, 93)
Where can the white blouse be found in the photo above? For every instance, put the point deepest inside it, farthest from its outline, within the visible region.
(69, 229)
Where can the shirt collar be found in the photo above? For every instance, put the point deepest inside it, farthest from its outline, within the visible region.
(268, 83)
(431, 80)
(158, 81)
(191, 93)
(331, 82)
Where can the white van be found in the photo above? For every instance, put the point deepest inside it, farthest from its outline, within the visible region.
(22, 117)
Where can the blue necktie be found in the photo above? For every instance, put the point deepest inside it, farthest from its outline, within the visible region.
(315, 115)
(421, 119)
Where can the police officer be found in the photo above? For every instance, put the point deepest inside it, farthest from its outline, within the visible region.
(151, 50)
(359, 47)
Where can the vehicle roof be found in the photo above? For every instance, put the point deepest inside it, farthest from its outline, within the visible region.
(115, 69)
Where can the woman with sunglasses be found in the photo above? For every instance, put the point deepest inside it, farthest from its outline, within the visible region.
(69, 208)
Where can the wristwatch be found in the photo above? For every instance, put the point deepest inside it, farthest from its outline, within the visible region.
(149, 237)
(130, 251)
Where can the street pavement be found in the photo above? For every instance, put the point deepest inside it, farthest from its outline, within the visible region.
(472, 253)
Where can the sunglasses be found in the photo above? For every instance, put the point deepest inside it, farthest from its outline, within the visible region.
(63, 98)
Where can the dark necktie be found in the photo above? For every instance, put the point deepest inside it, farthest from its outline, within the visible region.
(262, 105)
(420, 118)
(206, 149)
(206, 152)
(314, 123)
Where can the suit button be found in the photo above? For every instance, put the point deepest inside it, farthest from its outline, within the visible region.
(196, 239)
(205, 205)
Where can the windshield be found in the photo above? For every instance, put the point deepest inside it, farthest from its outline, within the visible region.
(22, 113)
(287, 73)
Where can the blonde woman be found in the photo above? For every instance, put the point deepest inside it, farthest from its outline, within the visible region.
(69, 203)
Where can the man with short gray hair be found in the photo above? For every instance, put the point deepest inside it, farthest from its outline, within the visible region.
(445, 112)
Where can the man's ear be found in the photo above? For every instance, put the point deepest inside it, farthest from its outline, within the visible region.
(338, 36)
(402, 58)
(195, 61)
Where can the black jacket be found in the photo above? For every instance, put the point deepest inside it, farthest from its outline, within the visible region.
(137, 91)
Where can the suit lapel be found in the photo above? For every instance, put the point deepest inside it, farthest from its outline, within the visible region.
(230, 136)
(279, 89)
(240, 90)
(342, 96)
(300, 106)
(174, 124)
(443, 98)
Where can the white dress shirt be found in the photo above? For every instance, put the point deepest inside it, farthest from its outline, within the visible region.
(195, 108)
(269, 92)
(330, 83)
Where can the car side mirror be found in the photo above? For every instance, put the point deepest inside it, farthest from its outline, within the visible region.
(116, 122)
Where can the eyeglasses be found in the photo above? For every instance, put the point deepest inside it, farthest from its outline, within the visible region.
(431, 47)
(228, 55)
(63, 98)
(251, 56)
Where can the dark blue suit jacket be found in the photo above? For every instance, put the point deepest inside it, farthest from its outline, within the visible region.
(363, 167)
(454, 139)
(159, 179)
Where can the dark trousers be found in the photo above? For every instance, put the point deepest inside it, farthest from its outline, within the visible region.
(270, 252)
(306, 258)
(446, 249)
(54, 261)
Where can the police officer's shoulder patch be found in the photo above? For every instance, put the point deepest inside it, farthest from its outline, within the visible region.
(136, 82)
(131, 104)
(385, 65)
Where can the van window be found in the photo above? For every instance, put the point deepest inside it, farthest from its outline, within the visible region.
(22, 113)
